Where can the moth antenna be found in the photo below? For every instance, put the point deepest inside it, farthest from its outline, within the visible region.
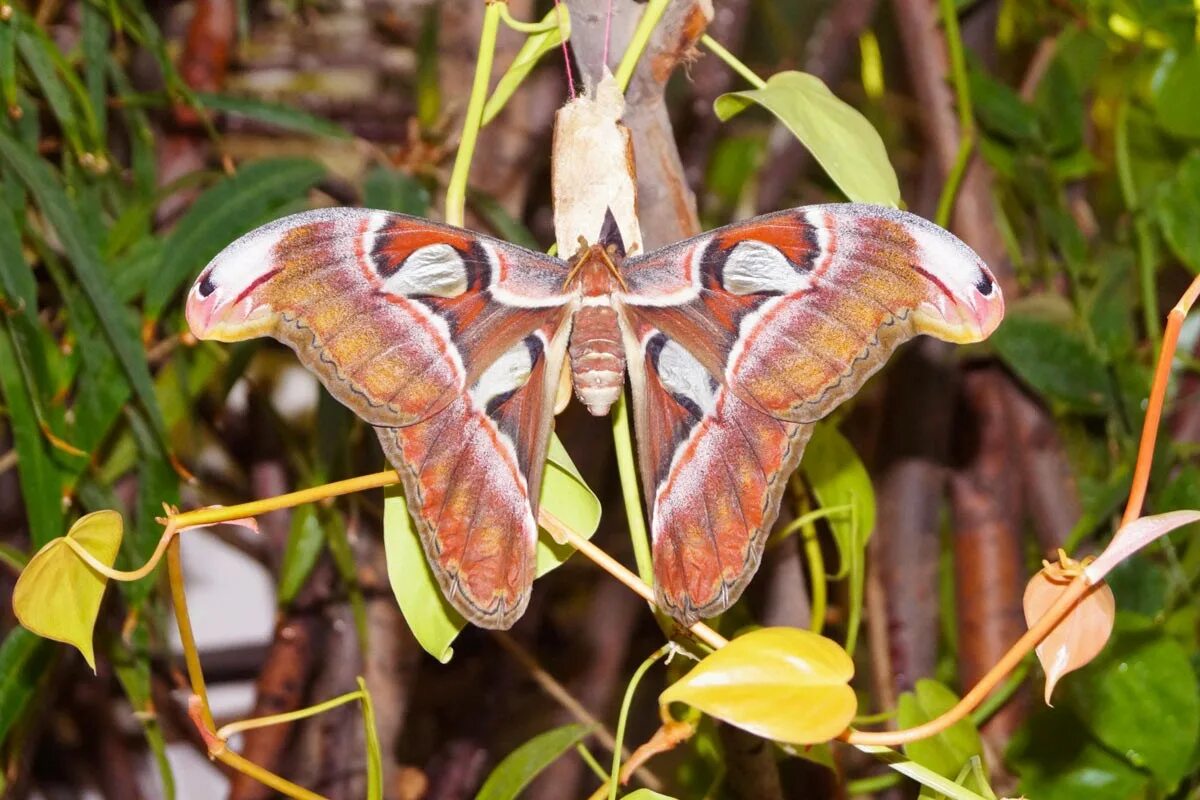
(566, 53)
(607, 36)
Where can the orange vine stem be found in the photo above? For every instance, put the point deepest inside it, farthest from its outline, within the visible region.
(615, 568)
(1079, 587)
(1154, 406)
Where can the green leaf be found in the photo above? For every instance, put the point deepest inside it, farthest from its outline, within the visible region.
(1000, 110)
(646, 794)
(391, 190)
(224, 212)
(536, 45)
(24, 659)
(945, 753)
(1174, 90)
(41, 483)
(304, 545)
(1141, 699)
(85, 261)
(16, 276)
(1056, 760)
(157, 484)
(95, 32)
(838, 136)
(8, 65)
(524, 764)
(433, 621)
(280, 116)
(839, 478)
(1178, 208)
(1038, 343)
(785, 684)
(58, 595)
(35, 53)
(571, 500)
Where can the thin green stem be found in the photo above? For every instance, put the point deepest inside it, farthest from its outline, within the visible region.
(637, 44)
(732, 61)
(591, 762)
(265, 777)
(225, 731)
(817, 577)
(954, 180)
(858, 585)
(966, 116)
(456, 190)
(541, 26)
(625, 704)
(807, 519)
(958, 66)
(627, 469)
(1147, 260)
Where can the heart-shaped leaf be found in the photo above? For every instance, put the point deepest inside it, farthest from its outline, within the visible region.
(785, 684)
(58, 595)
(1081, 635)
(838, 136)
(433, 621)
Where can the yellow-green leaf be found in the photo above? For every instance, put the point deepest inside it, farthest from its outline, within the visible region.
(58, 595)
(839, 137)
(521, 766)
(433, 621)
(947, 752)
(785, 684)
(569, 499)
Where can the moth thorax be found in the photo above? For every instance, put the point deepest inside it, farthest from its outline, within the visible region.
(597, 358)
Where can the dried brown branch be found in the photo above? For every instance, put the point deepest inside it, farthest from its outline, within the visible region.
(986, 500)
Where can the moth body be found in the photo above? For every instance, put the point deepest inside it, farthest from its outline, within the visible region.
(596, 349)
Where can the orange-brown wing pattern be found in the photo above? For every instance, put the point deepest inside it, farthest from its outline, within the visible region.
(448, 342)
(714, 469)
(468, 472)
(396, 315)
(744, 337)
(795, 310)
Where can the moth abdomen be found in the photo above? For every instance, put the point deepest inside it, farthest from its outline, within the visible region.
(597, 358)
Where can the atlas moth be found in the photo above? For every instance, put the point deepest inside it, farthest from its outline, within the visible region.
(450, 343)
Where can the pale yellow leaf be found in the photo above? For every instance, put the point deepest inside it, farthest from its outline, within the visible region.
(785, 684)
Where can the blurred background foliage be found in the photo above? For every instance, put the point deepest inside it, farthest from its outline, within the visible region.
(139, 139)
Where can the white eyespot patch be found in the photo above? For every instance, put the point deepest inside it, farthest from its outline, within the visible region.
(753, 267)
(682, 375)
(509, 373)
(436, 269)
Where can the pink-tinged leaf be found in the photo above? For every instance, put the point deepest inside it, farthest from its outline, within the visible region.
(1081, 635)
(1134, 537)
